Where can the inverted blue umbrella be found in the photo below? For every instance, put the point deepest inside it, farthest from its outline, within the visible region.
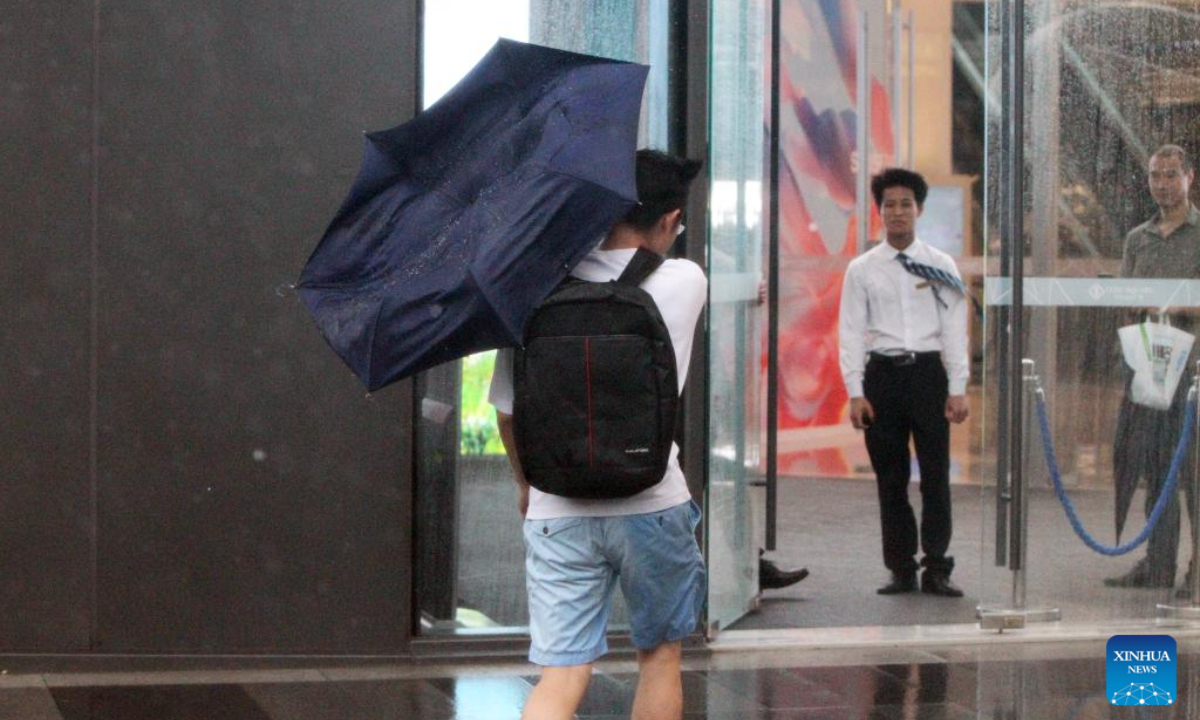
(465, 218)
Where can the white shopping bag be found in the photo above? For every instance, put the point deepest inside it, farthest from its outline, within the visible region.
(1157, 353)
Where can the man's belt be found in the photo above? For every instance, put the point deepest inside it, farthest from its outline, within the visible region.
(904, 359)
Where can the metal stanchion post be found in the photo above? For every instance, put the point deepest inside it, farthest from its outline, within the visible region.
(1191, 681)
(1191, 611)
(1018, 614)
(1020, 505)
(1194, 564)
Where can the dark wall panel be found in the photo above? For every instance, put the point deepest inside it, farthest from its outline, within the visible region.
(251, 497)
(45, 231)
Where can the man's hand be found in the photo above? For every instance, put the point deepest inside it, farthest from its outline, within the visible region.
(504, 422)
(956, 408)
(523, 499)
(861, 413)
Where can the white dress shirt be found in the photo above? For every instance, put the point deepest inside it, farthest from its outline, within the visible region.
(886, 309)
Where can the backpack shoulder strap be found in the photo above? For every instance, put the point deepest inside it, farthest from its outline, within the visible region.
(644, 263)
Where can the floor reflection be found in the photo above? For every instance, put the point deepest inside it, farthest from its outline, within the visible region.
(1076, 690)
(1026, 681)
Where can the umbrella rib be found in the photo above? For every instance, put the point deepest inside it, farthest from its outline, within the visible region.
(592, 182)
(370, 369)
(514, 334)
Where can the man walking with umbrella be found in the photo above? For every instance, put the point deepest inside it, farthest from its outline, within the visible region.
(577, 550)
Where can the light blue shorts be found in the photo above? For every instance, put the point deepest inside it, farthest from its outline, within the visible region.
(572, 565)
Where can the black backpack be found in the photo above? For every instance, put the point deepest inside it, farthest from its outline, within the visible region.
(595, 388)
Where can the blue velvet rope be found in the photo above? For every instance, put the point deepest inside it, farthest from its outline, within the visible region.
(1167, 494)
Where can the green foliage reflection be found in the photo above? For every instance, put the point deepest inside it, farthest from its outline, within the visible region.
(479, 433)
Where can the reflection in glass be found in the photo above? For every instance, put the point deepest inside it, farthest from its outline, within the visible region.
(1106, 83)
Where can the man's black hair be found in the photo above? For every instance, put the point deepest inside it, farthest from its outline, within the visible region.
(1175, 151)
(663, 181)
(899, 177)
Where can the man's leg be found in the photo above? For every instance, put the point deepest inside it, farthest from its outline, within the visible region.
(1187, 478)
(558, 693)
(1129, 461)
(1162, 548)
(931, 436)
(569, 587)
(887, 445)
(663, 580)
(660, 684)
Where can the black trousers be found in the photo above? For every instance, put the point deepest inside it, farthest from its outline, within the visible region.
(1142, 450)
(910, 402)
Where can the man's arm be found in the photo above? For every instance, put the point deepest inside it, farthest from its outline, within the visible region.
(955, 353)
(852, 328)
(1128, 255)
(1128, 262)
(500, 394)
(852, 348)
(505, 423)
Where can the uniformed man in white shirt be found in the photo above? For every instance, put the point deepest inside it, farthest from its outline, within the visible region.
(903, 352)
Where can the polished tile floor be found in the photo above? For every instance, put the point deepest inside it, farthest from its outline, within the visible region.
(1026, 681)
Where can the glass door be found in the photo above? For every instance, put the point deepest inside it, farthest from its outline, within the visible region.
(801, 114)
(1093, 111)
(831, 106)
(736, 317)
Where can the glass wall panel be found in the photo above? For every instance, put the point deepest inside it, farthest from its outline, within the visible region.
(1105, 243)
(470, 566)
(737, 317)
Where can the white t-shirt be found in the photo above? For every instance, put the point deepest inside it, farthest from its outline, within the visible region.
(680, 289)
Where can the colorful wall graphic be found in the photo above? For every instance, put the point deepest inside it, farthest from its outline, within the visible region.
(817, 234)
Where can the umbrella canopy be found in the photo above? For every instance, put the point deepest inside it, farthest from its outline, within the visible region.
(463, 219)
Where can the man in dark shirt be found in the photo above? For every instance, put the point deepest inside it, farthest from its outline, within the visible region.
(1166, 246)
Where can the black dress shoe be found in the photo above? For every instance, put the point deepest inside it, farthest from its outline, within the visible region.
(1141, 576)
(939, 585)
(772, 577)
(899, 584)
